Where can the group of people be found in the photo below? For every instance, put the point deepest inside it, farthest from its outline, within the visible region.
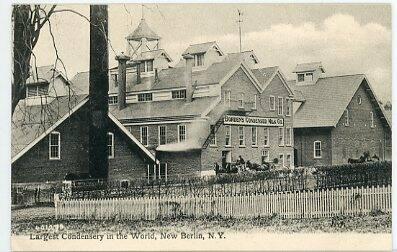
(239, 166)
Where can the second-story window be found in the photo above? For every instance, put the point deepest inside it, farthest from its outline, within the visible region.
(181, 133)
(213, 135)
(288, 136)
(198, 59)
(179, 94)
(255, 101)
(145, 97)
(146, 66)
(55, 145)
(241, 100)
(371, 115)
(280, 105)
(272, 103)
(144, 135)
(228, 130)
(162, 134)
(288, 107)
(280, 136)
(114, 77)
(110, 145)
(346, 117)
(227, 97)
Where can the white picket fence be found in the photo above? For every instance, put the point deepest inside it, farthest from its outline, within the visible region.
(298, 204)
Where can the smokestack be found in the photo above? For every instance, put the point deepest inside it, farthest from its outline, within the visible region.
(188, 76)
(138, 72)
(122, 59)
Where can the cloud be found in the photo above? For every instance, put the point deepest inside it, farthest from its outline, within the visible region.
(340, 42)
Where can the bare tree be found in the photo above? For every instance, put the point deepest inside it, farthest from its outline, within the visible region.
(28, 21)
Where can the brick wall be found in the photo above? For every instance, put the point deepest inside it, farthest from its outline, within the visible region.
(35, 165)
(353, 140)
(304, 143)
(181, 163)
(240, 83)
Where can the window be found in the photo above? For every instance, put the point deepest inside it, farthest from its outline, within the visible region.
(198, 59)
(280, 106)
(282, 161)
(110, 145)
(265, 156)
(317, 149)
(372, 119)
(145, 97)
(179, 94)
(149, 65)
(142, 66)
(124, 183)
(36, 90)
(309, 76)
(213, 135)
(254, 136)
(241, 136)
(266, 137)
(288, 136)
(301, 77)
(346, 117)
(55, 145)
(163, 171)
(288, 107)
(113, 100)
(181, 133)
(162, 135)
(272, 102)
(241, 101)
(114, 77)
(359, 100)
(228, 130)
(255, 101)
(280, 136)
(144, 135)
(288, 161)
(227, 97)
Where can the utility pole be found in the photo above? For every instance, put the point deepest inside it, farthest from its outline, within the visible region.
(239, 21)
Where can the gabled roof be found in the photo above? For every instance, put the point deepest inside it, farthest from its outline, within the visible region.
(326, 100)
(307, 67)
(202, 48)
(143, 31)
(152, 54)
(30, 124)
(42, 74)
(243, 55)
(266, 75)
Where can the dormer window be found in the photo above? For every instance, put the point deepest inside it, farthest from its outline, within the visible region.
(198, 59)
(36, 90)
(301, 77)
(146, 66)
(309, 77)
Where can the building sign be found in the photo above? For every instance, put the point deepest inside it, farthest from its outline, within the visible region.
(253, 121)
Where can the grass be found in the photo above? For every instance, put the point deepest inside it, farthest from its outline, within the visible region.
(27, 220)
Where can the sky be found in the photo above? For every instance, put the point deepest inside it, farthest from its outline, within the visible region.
(347, 39)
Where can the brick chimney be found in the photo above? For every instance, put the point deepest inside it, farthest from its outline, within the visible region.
(122, 76)
(188, 76)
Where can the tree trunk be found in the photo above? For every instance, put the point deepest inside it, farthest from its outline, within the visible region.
(98, 92)
(22, 49)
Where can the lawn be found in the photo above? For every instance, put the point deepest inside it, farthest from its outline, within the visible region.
(28, 220)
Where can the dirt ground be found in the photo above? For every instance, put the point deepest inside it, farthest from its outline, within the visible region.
(33, 219)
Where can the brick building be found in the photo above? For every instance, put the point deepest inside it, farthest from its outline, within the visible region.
(336, 118)
(50, 140)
